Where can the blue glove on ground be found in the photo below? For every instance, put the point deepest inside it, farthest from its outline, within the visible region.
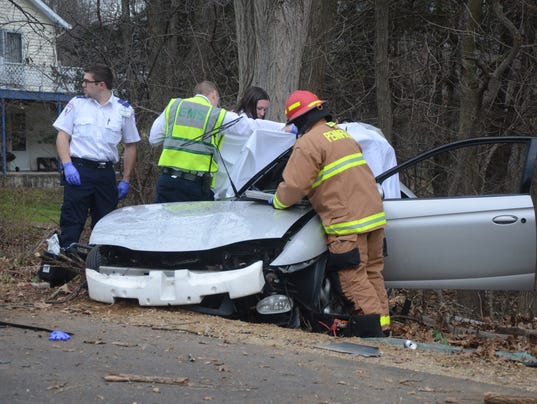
(59, 336)
(71, 174)
(270, 201)
(122, 189)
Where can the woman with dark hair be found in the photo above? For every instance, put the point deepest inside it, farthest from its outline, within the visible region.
(254, 103)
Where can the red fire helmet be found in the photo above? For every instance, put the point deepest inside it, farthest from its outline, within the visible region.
(300, 102)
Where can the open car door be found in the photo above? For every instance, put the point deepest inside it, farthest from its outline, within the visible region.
(466, 219)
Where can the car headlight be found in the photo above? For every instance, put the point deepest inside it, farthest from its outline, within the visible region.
(274, 304)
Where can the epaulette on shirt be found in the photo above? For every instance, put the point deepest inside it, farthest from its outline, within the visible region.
(125, 103)
(125, 110)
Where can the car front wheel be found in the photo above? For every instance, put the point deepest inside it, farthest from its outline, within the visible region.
(94, 260)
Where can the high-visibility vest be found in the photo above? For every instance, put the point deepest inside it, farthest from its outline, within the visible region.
(192, 136)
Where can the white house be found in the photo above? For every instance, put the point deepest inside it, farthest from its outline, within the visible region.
(33, 86)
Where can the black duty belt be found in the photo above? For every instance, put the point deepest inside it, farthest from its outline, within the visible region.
(91, 163)
(187, 175)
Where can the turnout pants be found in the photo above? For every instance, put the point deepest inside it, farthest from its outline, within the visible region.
(362, 281)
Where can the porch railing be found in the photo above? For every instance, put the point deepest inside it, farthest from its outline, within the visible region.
(26, 77)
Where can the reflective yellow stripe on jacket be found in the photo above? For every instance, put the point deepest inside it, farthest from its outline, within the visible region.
(277, 204)
(336, 167)
(357, 226)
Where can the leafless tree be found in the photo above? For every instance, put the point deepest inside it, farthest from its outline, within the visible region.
(382, 76)
(270, 38)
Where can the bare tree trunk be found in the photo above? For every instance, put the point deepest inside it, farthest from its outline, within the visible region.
(468, 110)
(198, 60)
(280, 31)
(494, 81)
(162, 59)
(319, 40)
(479, 91)
(382, 71)
(246, 42)
(126, 34)
(470, 94)
(470, 97)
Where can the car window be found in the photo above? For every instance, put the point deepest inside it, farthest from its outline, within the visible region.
(472, 170)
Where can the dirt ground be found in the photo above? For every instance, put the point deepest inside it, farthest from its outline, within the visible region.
(480, 365)
(435, 321)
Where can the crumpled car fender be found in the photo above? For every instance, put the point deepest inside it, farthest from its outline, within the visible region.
(309, 242)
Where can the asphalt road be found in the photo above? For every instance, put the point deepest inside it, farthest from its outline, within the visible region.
(36, 370)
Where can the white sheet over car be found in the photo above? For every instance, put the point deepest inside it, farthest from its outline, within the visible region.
(243, 157)
(246, 156)
(378, 153)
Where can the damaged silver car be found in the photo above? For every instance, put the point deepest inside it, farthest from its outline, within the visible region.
(465, 220)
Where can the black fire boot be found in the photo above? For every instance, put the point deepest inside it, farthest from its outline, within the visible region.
(364, 326)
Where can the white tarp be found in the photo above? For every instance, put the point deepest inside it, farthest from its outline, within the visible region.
(378, 153)
(245, 156)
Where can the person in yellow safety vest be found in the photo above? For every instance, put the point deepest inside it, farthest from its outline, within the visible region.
(327, 167)
(191, 131)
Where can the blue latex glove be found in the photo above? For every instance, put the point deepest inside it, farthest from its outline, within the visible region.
(71, 174)
(122, 189)
(270, 201)
(291, 128)
(294, 129)
(59, 336)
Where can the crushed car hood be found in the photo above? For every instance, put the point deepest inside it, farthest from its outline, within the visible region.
(192, 226)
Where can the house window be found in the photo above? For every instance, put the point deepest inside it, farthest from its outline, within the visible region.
(11, 47)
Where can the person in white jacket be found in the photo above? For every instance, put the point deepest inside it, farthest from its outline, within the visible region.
(378, 153)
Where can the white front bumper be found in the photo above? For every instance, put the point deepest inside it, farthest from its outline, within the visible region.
(180, 287)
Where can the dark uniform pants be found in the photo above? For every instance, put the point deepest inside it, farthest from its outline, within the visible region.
(97, 193)
(172, 188)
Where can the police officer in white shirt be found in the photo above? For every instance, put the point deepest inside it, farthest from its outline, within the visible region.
(89, 129)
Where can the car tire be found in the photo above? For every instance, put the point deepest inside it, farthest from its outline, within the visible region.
(94, 259)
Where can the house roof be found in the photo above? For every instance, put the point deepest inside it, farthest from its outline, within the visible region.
(50, 14)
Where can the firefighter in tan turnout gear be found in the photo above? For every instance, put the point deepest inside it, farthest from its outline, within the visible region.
(328, 168)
